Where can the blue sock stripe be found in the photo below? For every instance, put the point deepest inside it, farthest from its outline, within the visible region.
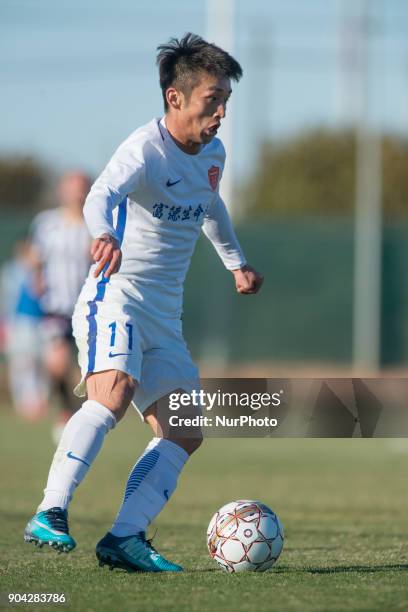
(140, 471)
(100, 291)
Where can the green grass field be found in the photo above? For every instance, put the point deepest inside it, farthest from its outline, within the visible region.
(343, 504)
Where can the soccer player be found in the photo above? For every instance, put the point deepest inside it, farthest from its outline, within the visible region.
(62, 242)
(20, 290)
(145, 212)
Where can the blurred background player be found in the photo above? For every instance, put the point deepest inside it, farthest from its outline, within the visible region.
(21, 287)
(61, 241)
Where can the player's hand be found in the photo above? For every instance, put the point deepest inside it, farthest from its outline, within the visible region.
(105, 250)
(247, 280)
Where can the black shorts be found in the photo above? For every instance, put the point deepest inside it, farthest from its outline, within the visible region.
(56, 327)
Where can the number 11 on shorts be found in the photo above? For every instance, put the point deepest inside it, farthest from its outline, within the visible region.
(129, 326)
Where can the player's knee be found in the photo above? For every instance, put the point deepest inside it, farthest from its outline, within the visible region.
(57, 358)
(113, 389)
(186, 433)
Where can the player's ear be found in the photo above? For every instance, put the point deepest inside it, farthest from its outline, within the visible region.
(174, 98)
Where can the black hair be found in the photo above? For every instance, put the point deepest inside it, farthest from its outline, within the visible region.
(181, 63)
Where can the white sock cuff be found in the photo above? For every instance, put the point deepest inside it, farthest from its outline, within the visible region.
(172, 451)
(103, 415)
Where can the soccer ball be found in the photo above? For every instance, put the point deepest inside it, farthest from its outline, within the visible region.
(245, 535)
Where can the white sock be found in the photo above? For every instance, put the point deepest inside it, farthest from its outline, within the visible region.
(150, 485)
(80, 442)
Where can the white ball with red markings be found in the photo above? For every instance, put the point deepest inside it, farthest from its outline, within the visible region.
(245, 535)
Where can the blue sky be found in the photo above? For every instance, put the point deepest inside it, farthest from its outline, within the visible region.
(78, 76)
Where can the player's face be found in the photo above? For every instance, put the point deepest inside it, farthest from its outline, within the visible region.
(204, 110)
(73, 190)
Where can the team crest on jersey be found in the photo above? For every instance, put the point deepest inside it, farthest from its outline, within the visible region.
(213, 176)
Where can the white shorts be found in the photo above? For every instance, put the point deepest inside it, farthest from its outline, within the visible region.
(115, 332)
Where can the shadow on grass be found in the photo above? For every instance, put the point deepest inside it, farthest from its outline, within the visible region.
(300, 549)
(341, 569)
(286, 569)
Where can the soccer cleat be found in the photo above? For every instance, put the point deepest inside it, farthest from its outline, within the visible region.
(133, 553)
(50, 527)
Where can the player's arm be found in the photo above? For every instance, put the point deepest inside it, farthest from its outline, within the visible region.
(219, 230)
(123, 175)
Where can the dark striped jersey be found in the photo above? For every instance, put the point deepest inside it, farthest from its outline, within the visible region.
(63, 246)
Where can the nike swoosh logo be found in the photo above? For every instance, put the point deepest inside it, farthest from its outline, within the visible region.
(118, 354)
(170, 183)
(72, 456)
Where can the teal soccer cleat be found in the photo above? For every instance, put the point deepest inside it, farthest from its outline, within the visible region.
(133, 553)
(50, 527)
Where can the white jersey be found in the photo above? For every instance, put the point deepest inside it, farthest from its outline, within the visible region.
(63, 247)
(154, 199)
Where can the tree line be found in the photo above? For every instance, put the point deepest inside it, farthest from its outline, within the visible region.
(315, 174)
(311, 174)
